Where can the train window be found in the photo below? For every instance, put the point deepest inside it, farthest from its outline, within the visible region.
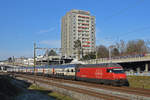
(113, 65)
(71, 70)
(67, 70)
(109, 70)
(118, 71)
(78, 70)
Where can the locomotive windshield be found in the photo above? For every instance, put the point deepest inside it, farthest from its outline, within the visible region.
(118, 71)
(113, 65)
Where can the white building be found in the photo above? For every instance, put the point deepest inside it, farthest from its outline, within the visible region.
(24, 61)
(77, 25)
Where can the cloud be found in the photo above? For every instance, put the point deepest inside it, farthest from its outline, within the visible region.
(46, 30)
(51, 43)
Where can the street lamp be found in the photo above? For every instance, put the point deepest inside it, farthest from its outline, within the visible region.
(110, 54)
(110, 47)
(34, 61)
(96, 50)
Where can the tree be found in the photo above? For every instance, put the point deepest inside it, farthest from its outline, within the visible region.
(77, 45)
(148, 46)
(121, 46)
(10, 59)
(89, 56)
(102, 52)
(136, 47)
(115, 52)
(50, 53)
(141, 46)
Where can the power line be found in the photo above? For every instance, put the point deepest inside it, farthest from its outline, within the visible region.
(111, 41)
(123, 10)
(135, 31)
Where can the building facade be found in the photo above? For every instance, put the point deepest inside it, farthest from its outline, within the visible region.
(77, 25)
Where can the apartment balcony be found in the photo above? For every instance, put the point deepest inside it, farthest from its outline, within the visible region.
(87, 17)
(87, 42)
(86, 45)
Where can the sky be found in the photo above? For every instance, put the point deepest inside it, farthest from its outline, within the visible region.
(25, 22)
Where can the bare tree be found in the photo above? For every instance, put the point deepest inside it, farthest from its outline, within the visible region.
(121, 46)
(148, 46)
(115, 52)
(52, 53)
(77, 45)
(89, 56)
(141, 46)
(136, 47)
(102, 52)
(10, 59)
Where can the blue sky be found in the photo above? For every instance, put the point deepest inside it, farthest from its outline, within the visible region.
(23, 22)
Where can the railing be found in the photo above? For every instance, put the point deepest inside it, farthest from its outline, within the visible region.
(118, 60)
(138, 74)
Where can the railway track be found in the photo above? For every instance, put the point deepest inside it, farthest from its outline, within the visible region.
(137, 91)
(97, 90)
(96, 94)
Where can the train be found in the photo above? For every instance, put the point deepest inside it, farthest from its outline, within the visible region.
(106, 73)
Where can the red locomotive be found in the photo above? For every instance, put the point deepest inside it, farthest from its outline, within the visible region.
(112, 74)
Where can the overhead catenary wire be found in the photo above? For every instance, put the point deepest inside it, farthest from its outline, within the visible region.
(120, 12)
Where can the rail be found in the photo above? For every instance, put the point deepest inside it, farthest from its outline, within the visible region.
(91, 94)
(95, 90)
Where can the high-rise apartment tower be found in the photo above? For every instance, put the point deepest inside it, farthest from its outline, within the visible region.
(77, 25)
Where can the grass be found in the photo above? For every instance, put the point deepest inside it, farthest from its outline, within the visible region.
(53, 94)
(59, 96)
(139, 81)
(35, 87)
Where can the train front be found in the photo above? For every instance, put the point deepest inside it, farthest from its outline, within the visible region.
(119, 76)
